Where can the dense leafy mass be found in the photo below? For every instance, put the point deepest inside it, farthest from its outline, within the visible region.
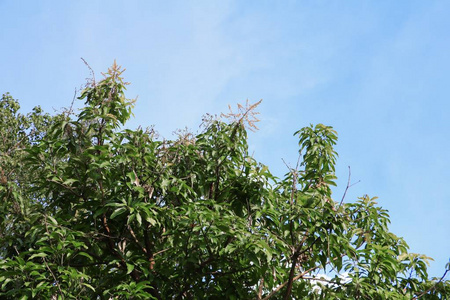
(93, 211)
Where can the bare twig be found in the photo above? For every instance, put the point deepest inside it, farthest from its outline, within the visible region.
(348, 185)
(90, 81)
(162, 251)
(69, 111)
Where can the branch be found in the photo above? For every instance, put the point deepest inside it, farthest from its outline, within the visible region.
(53, 275)
(260, 289)
(91, 71)
(69, 188)
(135, 239)
(284, 284)
(162, 251)
(348, 185)
(297, 252)
(291, 276)
(432, 287)
(296, 278)
(220, 273)
(324, 280)
(87, 264)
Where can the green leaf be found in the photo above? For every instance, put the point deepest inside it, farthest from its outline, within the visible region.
(115, 204)
(89, 286)
(42, 254)
(70, 181)
(53, 220)
(7, 280)
(139, 218)
(151, 221)
(86, 255)
(130, 268)
(117, 212)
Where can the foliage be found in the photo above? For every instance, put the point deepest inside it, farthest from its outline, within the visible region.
(17, 132)
(90, 210)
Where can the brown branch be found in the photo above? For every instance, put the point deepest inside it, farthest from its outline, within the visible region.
(11, 148)
(148, 246)
(220, 273)
(162, 251)
(291, 276)
(151, 258)
(348, 185)
(432, 287)
(53, 275)
(298, 252)
(296, 278)
(87, 264)
(93, 83)
(69, 188)
(284, 284)
(110, 243)
(323, 279)
(260, 289)
(136, 240)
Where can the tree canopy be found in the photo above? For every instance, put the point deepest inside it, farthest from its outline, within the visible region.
(90, 210)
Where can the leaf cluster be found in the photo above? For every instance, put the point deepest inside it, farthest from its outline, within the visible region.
(92, 211)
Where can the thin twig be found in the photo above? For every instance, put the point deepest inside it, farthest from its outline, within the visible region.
(284, 284)
(92, 72)
(348, 185)
(324, 280)
(432, 287)
(162, 251)
(54, 277)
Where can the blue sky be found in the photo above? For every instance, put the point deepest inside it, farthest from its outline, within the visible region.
(377, 71)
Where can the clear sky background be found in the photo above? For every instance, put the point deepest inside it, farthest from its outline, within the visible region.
(377, 71)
